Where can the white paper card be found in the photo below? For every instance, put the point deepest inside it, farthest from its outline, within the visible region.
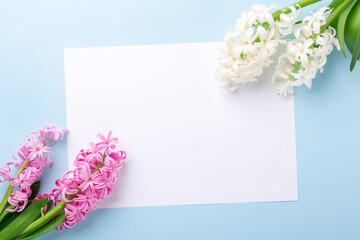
(188, 141)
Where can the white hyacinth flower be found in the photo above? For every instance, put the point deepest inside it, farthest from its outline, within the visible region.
(261, 14)
(287, 21)
(244, 43)
(301, 50)
(267, 42)
(302, 30)
(303, 76)
(247, 48)
(285, 88)
(306, 55)
(317, 19)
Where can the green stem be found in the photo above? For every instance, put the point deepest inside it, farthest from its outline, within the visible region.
(303, 3)
(100, 164)
(11, 187)
(44, 219)
(337, 10)
(297, 65)
(46, 143)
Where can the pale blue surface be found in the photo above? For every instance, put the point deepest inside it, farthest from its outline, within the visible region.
(33, 35)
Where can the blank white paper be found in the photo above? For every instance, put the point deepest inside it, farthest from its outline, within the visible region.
(188, 141)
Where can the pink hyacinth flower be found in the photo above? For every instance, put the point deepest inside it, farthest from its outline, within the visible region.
(31, 153)
(19, 199)
(4, 173)
(92, 180)
(37, 149)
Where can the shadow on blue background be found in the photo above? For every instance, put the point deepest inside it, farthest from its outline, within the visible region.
(33, 35)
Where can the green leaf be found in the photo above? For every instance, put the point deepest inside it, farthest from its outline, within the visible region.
(351, 26)
(46, 228)
(5, 215)
(25, 218)
(341, 26)
(335, 3)
(10, 217)
(35, 187)
(356, 51)
(43, 220)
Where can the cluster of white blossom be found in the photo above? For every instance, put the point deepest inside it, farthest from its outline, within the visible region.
(306, 54)
(286, 23)
(247, 47)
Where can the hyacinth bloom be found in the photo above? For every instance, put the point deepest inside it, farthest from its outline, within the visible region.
(249, 47)
(31, 159)
(79, 191)
(307, 54)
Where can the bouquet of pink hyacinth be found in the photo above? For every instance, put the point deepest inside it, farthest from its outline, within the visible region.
(249, 47)
(25, 214)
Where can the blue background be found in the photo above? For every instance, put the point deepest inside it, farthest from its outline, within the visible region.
(33, 35)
